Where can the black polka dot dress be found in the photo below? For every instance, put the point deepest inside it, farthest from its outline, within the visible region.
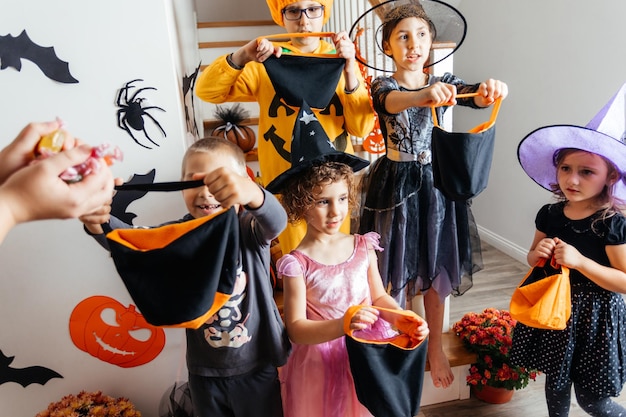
(591, 351)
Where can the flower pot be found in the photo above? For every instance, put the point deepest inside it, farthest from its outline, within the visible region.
(493, 395)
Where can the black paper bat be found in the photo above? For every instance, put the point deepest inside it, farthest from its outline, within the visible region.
(121, 201)
(14, 49)
(24, 376)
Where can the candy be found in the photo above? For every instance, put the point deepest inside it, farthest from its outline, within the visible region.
(53, 143)
(92, 164)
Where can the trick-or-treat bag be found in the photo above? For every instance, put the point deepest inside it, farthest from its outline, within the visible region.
(180, 274)
(462, 160)
(299, 77)
(387, 363)
(543, 298)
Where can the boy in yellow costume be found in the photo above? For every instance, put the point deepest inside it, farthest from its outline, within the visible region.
(241, 76)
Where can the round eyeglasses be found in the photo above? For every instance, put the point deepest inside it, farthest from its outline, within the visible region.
(313, 12)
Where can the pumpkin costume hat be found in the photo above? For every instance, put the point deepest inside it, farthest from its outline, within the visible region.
(277, 7)
(604, 135)
(310, 146)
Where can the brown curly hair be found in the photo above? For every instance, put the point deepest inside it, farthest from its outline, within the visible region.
(405, 11)
(299, 194)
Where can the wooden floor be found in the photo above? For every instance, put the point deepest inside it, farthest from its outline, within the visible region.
(493, 287)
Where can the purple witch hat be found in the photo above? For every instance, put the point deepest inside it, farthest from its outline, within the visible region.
(604, 135)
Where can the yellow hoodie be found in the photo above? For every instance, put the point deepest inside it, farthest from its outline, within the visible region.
(347, 114)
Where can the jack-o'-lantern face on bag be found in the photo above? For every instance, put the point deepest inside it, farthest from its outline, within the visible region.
(104, 328)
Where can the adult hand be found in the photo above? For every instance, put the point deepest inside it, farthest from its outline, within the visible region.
(20, 152)
(35, 192)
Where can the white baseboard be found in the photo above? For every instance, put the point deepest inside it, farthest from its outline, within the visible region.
(506, 246)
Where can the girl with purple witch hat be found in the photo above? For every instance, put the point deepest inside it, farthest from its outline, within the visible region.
(584, 230)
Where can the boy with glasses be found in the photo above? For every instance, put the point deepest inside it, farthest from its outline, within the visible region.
(241, 76)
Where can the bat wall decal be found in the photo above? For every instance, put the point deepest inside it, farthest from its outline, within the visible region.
(14, 49)
(24, 376)
(121, 201)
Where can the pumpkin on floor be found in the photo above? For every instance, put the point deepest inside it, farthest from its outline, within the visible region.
(231, 127)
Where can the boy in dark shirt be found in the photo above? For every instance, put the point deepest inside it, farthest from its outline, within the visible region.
(232, 359)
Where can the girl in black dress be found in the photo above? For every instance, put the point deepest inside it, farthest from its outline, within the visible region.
(585, 231)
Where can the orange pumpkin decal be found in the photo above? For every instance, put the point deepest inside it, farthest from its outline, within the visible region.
(104, 328)
(374, 143)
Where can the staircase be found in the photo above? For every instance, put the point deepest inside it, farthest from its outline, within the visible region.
(219, 38)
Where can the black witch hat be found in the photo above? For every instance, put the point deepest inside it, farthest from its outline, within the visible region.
(310, 145)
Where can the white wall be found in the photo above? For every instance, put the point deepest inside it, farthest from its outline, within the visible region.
(232, 10)
(563, 60)
(47, 268)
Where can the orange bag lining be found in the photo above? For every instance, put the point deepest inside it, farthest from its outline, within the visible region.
(156, 238)
(287, 36)
(481, 127)
(403, 340)
(528, 294)
(219, 301)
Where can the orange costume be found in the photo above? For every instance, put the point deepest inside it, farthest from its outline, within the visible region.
(346, 114)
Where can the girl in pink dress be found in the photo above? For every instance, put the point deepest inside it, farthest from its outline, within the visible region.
(327, 273)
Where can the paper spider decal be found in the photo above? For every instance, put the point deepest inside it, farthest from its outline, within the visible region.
(131, 113)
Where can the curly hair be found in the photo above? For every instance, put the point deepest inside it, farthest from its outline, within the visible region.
(405, 11)
(299, 194)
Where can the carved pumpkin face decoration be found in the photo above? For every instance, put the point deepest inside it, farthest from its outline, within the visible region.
(374, 143)
(104, 328)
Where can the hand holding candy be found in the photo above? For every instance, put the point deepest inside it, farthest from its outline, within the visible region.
(32, 189)
(54, 142)
(92, 164)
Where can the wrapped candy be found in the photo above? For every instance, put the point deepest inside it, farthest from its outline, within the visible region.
(53, 143)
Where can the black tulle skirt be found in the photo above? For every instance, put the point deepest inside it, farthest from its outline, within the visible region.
(428, 240)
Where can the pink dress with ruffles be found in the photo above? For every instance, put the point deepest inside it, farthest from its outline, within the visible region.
(316, 381)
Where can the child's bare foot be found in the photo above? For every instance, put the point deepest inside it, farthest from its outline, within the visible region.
(440, 370)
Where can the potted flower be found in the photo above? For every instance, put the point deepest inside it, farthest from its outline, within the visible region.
(489, 335)
(90, 404)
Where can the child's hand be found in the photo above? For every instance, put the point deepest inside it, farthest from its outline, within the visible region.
(94, 219)
(254, 50)
(231, 188)
(344, 47)
(567, 255)
(363, 318)
(490, 90)
(265, 49)
(545, 248)
(438, 94)
(421, 331)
